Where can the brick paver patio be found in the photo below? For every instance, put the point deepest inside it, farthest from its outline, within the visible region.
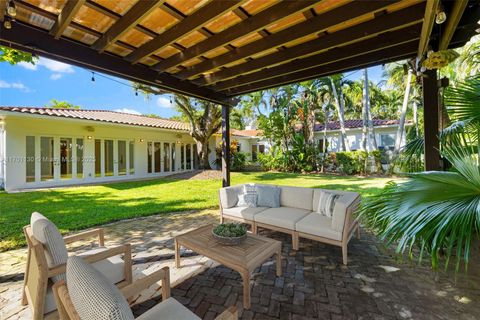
(314, 285)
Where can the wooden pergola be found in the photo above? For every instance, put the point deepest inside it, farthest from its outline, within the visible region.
(219, 49)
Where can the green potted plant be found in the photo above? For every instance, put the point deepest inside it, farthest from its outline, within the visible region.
(230, 234)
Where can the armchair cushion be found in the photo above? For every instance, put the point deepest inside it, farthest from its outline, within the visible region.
(244, 212)
(48, 234)
(92, 294)
(169, 309)
(113, 268)
(283, 217)
(318, 225)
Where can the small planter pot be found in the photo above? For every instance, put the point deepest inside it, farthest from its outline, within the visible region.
(229, 241)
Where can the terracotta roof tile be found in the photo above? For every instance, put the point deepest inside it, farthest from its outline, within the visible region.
(352, 124)
(103, 116)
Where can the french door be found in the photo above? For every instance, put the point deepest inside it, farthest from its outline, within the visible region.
(114, 158)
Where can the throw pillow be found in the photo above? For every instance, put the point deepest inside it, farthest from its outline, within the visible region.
(268, 196)
(326, 203)
(248, 200)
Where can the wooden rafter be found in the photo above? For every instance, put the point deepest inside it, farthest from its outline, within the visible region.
(314, 25)
(383, 23)
(452, 22)
(247, 26)
(191, 23)
(3, 7)
(339, 53)
(397, 52)
(428, 21)
(139, 11)
(65, 17)
(31, 39)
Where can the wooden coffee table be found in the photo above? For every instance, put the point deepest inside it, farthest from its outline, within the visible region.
(243, 258)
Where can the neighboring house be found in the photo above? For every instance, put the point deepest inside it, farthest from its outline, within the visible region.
(385, 133)
(250, 141)
(42, 147)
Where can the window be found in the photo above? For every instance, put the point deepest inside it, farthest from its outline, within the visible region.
(182, 157)
(173, 156)
(188, 151)
(261, 149)
(47, 161)
(149, 158)
(66, 158)
(98, 158)
(166, 156)
(108, 157)
(122, 158)
(254, 152)
(387, 140)
(30, 159)
(79, 159)
(157, 154)
(131, 151)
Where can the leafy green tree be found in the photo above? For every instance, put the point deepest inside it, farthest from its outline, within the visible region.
(14, 56)
(56, 104)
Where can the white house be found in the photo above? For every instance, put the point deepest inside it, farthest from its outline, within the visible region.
(41, 147)
(385, 133)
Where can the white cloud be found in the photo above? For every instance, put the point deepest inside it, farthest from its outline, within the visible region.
(52, 65)
(126, 110)
(163, 102)
(14, 85)
(55, 76)
(27, 65)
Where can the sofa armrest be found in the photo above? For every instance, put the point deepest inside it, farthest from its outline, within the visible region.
(86, 235)
(145, 282)
(344, 207)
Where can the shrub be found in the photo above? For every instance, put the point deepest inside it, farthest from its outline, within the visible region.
(239, 160)
(230, 230)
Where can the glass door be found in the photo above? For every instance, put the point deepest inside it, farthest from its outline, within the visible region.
(66, 158)
(108, 158)
(122, 157)
(47, 161)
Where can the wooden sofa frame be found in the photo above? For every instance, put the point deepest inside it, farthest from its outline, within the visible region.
(350, 226)
(37, 271)
(67, 311)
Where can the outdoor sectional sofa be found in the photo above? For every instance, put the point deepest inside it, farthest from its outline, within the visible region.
(297, 214)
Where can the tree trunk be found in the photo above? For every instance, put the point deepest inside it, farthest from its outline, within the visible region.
(415, 113)
(403, 113)
(324, 139)
(371, 130)
(341, 117)
(203, 154)
(365, 111)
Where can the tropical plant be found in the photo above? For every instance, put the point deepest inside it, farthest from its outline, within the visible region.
(54, 103)
(436, 212)
(14, 56)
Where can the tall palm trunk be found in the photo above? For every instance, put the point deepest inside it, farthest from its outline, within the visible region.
(325, 112)
(365, 103)
(415, 113)
(341, 117)
(371, 129)
(403, 113)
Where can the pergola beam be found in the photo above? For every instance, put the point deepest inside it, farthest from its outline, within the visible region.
(65, 17)
(397, 52)
(379, 42)
(452, 22)
(315, 25)
(31, 39)
(188, 25)
(369, 29)
(428, 22)
(247, 26)
(140, 10)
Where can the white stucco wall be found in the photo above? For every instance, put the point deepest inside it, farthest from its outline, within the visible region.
(18, 127)
(354, 138)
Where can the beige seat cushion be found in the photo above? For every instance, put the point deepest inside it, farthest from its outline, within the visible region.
(284, 217)
(169, 309)
(113, 268)
(296, 197)
(244, 212)
(318, 225)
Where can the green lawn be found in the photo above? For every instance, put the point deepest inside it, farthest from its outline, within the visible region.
(82, 207)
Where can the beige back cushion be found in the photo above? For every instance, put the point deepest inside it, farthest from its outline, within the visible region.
(296, 197)
(345, 200)
(48, 234)
(229, 196)
(92, 294)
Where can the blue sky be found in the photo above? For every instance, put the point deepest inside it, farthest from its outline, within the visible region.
(35, 85)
